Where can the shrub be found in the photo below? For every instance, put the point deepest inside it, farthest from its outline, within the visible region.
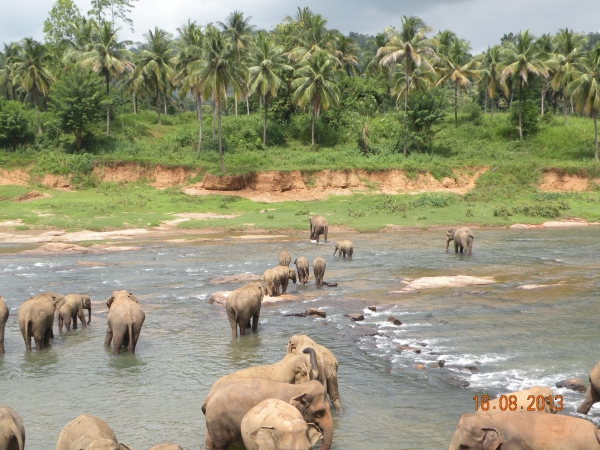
(14, 126)
(473, 113)
(530, 117)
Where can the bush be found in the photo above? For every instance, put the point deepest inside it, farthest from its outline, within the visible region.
(473, 113)
(14, 126)
(425, 109)
(530, 117)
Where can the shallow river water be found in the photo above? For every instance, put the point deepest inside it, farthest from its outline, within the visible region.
(516, 338)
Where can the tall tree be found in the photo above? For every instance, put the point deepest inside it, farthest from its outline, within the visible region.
(155, 61)
(345, 50)
(459, 68)
(264, 75)
(522, 61)
(57, 27)
(491, 74)
(112, 10)
(585, 89)
(315, 84)
(217, 73)
(237, 28)
(311, 35)
(109, 57)
(6, 70)
(411, 48)
(30, 70)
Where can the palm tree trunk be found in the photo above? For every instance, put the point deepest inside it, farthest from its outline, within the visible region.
(492, 105)
(595, 136)
(37, 110)
(485, 98)
(247, 106)
(199, 103)
(313, 127)
(165, 103)
(543, 96)
(520, 108)
(235, 102)
(455, 105)
(107, 106)
(512, 94)
(265, 123)
(565, 109)
(134, 103)
(214, 119)
(406, 74)
(158, 106)
(78, 138)
(220, 140)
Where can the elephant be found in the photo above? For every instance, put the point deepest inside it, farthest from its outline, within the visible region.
(593, 393)
(226, 406)
(242, 305)
(344, 248)
(284, 258)
(319, 265)
(88, 432)
(276, 425)
(3, 318)
(522, 398)
(523, 430)
(302, 268)
(12, 431)
(292, 369)
(71, 308)
(125, 319)
(166, 447)
(282, 277)
(463, 240)
(269, 280)
(36, 318)
(318, 226)
(327, 363)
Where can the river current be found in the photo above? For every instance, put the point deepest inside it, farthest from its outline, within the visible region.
(515, 338)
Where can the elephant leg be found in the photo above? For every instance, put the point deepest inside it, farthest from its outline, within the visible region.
(233, 324)
(334, 394)
(242, 328)
(108, 338)
(74, 318)
(208, 445)
(591, 397)
(82, 319)
(26, 338)
(284, 286)
(39, 341)
(47, 336)
(118, 339)
(67, 324)
(325, 235)
(255, 318)
(136, 336)
(60, 323)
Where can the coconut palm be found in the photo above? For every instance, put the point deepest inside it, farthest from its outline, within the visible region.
(83, 34)
(217, 73)
(521, 61)
(459, 68)
(545, 49)
(568, 58)
(411, 48)
(264, 75)
(315, 84)
(420, 79)
(238, 29)
(107, 56)
(155, 62)
(346, 51)
(6, 70)
(30, 70)
(443, 42)
(491, 74)
(312, 35)
(585, 90)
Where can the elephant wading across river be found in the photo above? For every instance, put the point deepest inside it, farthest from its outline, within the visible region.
(282, 277)
(243, 305)
(302, 268)
(125, 319)
(72, 308)
(88, 433)
(226, 406)
(524, 430)
(318, 226)
(12, 432)
(3, 318)
(593, 393)
(284, 258)
(36, 318)
(463, 240)
(276, 425)
(345, 248)
(319, 265)
(327, 363)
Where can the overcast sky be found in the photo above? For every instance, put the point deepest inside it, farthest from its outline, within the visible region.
(482, 22)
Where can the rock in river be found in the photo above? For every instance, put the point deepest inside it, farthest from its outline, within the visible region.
(357, 317)
(573, 384)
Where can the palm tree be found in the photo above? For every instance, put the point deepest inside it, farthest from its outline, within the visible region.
(420, 79)
(346, 51)
(218, 72)
(30, 70)
(443, 42)
(107, 56)
(491, 74)
(264, 76)
(585, 90)
(521, 61)
(6, 70)
(545, 48)
(312, 35)
(568, 58)
(411, 48)
(155, 61)
(459, 68)
(315, 84)
(238, 29)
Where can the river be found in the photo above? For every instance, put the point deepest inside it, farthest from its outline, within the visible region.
(515, 338)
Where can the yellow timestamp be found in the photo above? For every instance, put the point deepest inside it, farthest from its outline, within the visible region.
(509, 403)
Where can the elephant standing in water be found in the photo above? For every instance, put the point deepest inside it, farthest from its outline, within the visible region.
(3, 318)
(284, 258)
(593, 393)
(125, 319)
(226, 406)
(36, 318)
(276, 425)
(12, 432)
(302, 268)
(88, 433)
(318, 226)
(243, 305)
(72, 308)
(319, 265)
(282, 277)
(463, 240)
(345, 248)
(327, 363)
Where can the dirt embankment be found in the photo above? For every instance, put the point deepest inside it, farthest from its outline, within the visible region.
(563, 182)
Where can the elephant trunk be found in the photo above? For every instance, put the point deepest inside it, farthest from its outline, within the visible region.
(447, 243)
(335, 251)
(89, 315)
(313, 362)
(326, 425)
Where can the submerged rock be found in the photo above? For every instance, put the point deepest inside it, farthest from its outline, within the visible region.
(357, 317)
(573, 384)
(316, 312)
(238, 278)
(455, 381)
(61, 248)
(372, 308)
(420, 366)
(444, 281)
(403, 348)
(393, 320)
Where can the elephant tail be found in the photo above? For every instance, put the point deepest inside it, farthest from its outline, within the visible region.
(15, 436)
(130, 344)
(28, 330)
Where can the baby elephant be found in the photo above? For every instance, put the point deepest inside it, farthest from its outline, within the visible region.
(302, 267)
(319, 270)
(71, 308)
(242, 305)
(345, 248)
(284, 258)
(276, 425)
(88, 433)
(463, 240)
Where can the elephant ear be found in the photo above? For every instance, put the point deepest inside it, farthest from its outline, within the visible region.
(124, 447)
(300, 402)
(264, 438)
(110, 301)
(491, 439)
(314, 433)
